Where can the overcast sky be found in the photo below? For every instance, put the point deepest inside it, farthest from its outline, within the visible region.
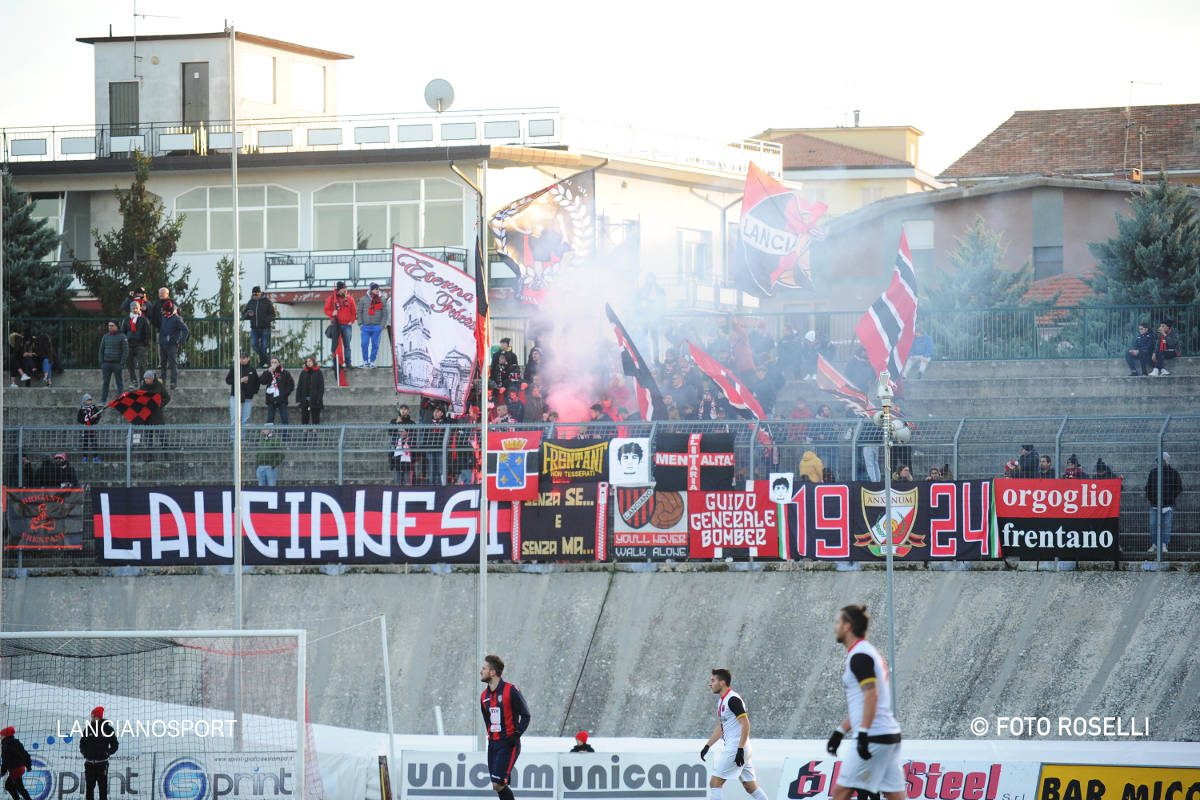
(955, 70)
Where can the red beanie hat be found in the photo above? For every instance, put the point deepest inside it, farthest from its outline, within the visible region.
(9, 731)
(98, 711)
(581, 737)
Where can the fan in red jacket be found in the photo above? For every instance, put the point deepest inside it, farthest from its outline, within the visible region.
(342, 311)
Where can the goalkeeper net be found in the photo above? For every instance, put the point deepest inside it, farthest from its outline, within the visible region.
(198, 715)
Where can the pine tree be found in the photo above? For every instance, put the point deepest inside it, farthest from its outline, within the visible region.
(139, 252)
(1155, 256)
(33, 287)
(976, 278)
(959, 307)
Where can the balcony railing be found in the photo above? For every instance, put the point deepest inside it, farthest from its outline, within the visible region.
(318, 269)
(530, 127)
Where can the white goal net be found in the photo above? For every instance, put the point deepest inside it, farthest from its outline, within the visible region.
(198, 715)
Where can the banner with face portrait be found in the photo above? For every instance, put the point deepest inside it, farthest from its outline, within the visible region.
(629, 462)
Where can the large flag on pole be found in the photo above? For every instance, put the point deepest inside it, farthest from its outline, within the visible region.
(776, 230)
(736, 392)
(544, 232)
(481, 304)
(649, 398)
(886, 329)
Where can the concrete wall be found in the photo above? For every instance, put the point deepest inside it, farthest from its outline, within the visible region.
(629, 654)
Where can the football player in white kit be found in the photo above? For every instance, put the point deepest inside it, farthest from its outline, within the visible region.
(733, 727)
(874, 763)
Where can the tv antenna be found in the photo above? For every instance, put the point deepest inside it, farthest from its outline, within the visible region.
(439, 94)
(136, 16)
(1128, 125)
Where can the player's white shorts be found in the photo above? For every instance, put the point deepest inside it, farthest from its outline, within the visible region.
(724, 767)
(882, 772)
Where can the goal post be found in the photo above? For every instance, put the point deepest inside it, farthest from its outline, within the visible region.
(198, 714)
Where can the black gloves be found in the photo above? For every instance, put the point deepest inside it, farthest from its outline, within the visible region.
(740, 758)
(863, 752)
(703, 752)
(835, 741)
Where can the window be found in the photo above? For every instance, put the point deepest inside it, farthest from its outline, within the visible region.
(308, 86)
(872, 193)
(919, 233)
(50, 209)
(1047, 262)
(268, 218)
(257, 78)
(695, 254)
(377, 214)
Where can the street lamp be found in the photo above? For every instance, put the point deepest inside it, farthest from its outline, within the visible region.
(892, 429)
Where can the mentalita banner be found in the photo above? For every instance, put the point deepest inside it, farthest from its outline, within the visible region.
(690, 462)
(934, 521)
(574, 460)
(1073, 520)
(568, 523)
(44, 519)
(433, 315)
(300, 525)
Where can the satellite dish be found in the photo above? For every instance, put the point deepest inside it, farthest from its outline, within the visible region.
(439, 94)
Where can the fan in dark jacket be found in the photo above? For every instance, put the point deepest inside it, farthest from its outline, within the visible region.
(310, 392)
(261, 313)
(248, 387)
(278, 385)
(99, 741)
(1138, 355)
(15, 761)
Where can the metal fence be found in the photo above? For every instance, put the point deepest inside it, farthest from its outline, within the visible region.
(361, 454)
(1072, 332)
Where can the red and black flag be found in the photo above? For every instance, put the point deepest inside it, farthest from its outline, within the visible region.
(736, 392)
(833, 382)
(481, 303)
(774, 236)
(542, 233)
(886, 329)
(137, 405)
(649, 398)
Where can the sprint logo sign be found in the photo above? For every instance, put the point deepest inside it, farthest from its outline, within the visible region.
(219, 776)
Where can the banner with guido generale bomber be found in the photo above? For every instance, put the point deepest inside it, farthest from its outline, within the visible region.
(297, 525)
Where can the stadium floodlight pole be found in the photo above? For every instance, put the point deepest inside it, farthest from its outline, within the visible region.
(236, 406)
(885, 400)
(235, 403)
(481, 581)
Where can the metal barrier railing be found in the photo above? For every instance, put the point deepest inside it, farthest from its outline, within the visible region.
(1073, 332)
(362, 454)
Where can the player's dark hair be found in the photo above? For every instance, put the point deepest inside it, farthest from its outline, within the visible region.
(780, 482)
(858, 618)
(495, 662)
(724, 675)
(631, 447)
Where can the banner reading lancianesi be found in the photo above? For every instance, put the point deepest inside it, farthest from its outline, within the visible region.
(297, 525)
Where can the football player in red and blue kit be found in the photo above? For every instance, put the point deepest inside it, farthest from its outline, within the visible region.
(505, 718)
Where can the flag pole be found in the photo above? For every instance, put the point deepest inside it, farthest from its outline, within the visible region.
(481, 581)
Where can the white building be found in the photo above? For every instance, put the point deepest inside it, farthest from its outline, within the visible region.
(322, 198)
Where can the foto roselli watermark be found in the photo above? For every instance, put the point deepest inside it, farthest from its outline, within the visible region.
(1065, 727)
(158, 728)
